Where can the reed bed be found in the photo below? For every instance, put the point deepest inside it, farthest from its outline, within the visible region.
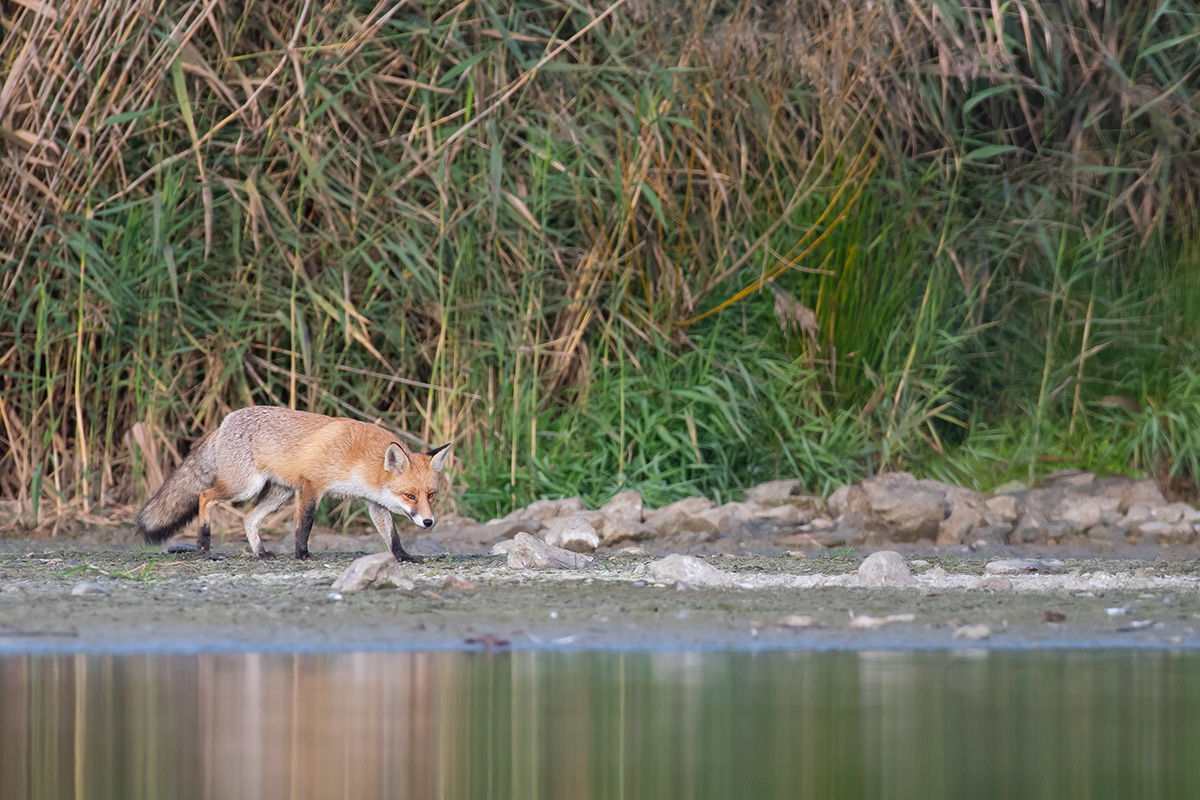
(682, 247)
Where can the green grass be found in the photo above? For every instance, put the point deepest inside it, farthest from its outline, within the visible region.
(646, 250)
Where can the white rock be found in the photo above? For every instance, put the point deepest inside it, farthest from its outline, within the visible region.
(573, 533)
(1081, 514)
(884, 568)
(685, 517)
(1175, 512)
(1136, 515)
(1002, 508)
(501, 548)
(88, 587)
(979, 631)
(795, 621)
(529, 552)
(625, 506)
(773, 491)
(545, 510)
(838, 502)
(859, 622)
(372, 572)
(688, 569)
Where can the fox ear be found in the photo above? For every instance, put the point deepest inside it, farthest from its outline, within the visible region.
(439, 455)
(395, 458)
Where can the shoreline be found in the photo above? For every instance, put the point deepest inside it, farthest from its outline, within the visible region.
(185, 604)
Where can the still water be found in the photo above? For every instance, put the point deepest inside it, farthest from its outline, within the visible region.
(601, 725)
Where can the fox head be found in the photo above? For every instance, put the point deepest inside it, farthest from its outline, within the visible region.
(411, 480)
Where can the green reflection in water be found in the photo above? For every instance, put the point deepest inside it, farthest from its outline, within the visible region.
(604, 725)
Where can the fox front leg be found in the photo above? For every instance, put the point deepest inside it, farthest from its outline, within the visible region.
(387, 529)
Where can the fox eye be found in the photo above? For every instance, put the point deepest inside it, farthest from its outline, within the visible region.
(431, 494)
(409, 496)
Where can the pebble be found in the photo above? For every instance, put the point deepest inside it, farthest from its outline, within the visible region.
(678, 568)
(884, 568)
(88, 588)
(372, 572)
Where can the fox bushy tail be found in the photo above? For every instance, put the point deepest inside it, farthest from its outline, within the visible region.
(177, 501)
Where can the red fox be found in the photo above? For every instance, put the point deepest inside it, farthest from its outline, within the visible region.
(272, 452)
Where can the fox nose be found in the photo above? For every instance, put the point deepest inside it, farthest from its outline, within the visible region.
(428, 523)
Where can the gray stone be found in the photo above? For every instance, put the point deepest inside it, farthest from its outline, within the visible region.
(1029, 527)
(786, 515)
(764, 493)
(1175, 512)
(545, 510)
(1143, 492)
(685, 517)
(1002, 508)
(965, 509)
(1135, 515)
(738, 519)
(1079, 513)
(1020, 566)
(688, 569)
(839, 501)
(901, 508)
(614, 531)
(1167, 532)
(990, 535)
(528, 552)
(1106, 535)
(573, 533)
(89, 588)
(895, 507)
(507, 528)
(884, 568)
(626, 506)
(1069, 478)
(372, 572)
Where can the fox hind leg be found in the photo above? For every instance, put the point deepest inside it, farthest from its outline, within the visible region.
(271, 498)
(209, 496)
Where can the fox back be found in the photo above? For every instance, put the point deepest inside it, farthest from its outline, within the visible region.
(331, 455)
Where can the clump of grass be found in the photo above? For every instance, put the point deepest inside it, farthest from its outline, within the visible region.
(646, 245)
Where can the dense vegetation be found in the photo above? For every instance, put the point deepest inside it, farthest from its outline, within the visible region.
(684, 247)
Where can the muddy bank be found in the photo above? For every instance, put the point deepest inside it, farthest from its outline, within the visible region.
(135, 598)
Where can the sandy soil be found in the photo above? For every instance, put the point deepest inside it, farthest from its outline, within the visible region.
(144, 599)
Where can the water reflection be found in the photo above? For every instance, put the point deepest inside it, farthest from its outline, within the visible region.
(583, 725)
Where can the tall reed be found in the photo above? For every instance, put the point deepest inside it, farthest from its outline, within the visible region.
(683, 247)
